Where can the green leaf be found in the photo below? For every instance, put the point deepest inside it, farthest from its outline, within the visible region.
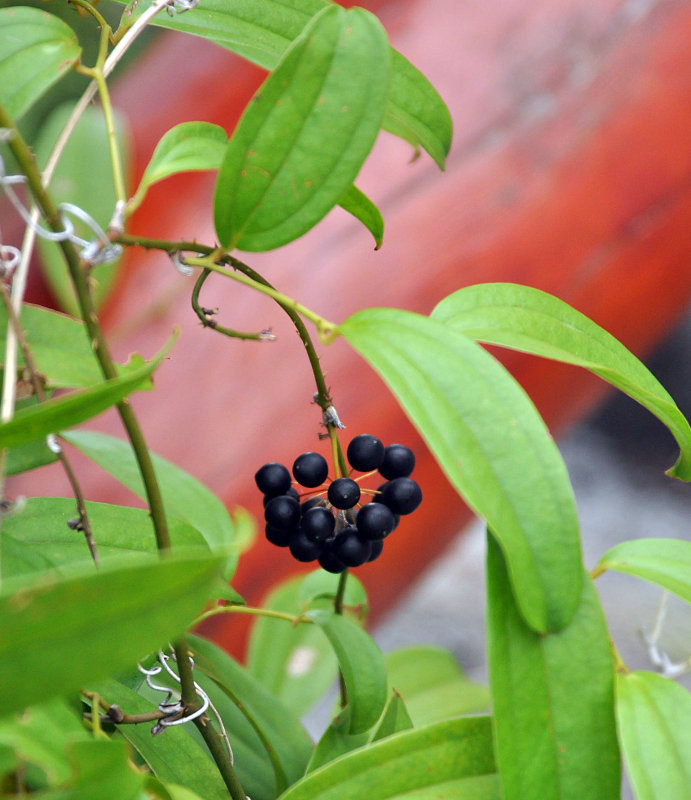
(303, 138)
(433, 685)
(37, 50)
(71, 409)
(183, 496)
(262, 30)
(653, 716)
(532, 321)
(363, 209)
(665, 562)
(553, 698)
(362, 667)
(336, 741)
(188, 147)
(174, 757)
(29, 455)
(41, 527)
(58, 632)
(321, 584)
(417, 764)
(493, 446)
(394, 719)
(81, 178)
(295, 663)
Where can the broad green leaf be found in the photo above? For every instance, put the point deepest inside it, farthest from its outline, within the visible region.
(188, 147)
(363, 209)
(666, 562)
(653, 716)
(68, 410)
(41, 527)
(336, 741)
(321, 584)
(424, 760)
(362, 667)
(183, 496)
(295, 663)
(533, 321)
(553, 698)
(302, 140)
(394, 719)
(433, 685)
(493, 446)
(29, 455)
(81, 177)
(285, 740)
(58, 632)
(262, 30)
(173, 757)
(36, 50)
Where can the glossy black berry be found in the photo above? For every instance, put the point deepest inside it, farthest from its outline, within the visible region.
(292, 492)
(282, 512)
(304, 549)
(310, 469)
(272, 479)
(343, 493)
(318, 524)
(350, 548)
(281, 538)
(377, 548)
(375, 521)
(398, 462)
(401, 495)
(313, 502)
(328, 560)
(365, 452)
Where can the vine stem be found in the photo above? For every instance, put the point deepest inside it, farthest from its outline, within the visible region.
(294, 619)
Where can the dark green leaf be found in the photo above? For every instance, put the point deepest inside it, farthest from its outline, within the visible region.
(527, 319)
(37, 50)
(553, 698)
(433, 685)
(29, 455)
(666, 562)
(57, 632)
(362, 667)
(183, 496)
(302, 140)
(362, 208)
(653, 716)
(188, 147)
(493, 446)
(320, 584)
(450, 759)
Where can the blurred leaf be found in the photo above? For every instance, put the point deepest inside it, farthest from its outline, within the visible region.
(363, 209)
(29, 455)
(37, 50)
(553, 698)
(58, 632)
(301, 141)
(492, 445)
(665, 562)
(653, 716)
(433, 685)
(336, 741)
(532, 321)
(183, 496)
(321, 584)
(394, 719)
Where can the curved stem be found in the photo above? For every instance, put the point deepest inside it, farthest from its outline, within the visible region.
(294, 619)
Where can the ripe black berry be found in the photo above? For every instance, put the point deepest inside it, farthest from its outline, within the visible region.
(365, 452)
(350, 548)
(375, 521)
(401, 495)
(272, 479)
(318, 524)
(343, 493)
(377, 548)
(281, 538)
(282, 512)
(310, 469)
(304, 549)
(313, 502)
(398, 462)
(328, 560)
(292, 492)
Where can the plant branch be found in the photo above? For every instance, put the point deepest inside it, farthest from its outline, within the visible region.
(294, 619)
(220, 756)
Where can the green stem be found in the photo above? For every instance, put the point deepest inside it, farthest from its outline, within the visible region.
(258, 612)
(206, 317)
(220, 756)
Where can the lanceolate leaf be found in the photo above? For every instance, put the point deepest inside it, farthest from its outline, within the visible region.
(666, 562)
(492, 445)
(362, 208)
(527, 319)
(553, 698)
(37, 50)
(262, 30)
(653, 716)
(303, 138)
(451, 759)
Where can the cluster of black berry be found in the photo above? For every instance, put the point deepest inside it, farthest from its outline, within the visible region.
(329, 524)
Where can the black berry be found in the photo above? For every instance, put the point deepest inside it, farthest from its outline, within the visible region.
(281, 538)
(375, 521)
(377, 548)
(313, 502)
(365, 452)
(272, 479)
(304, 549)
(282, 512)
(318, 524)
(401, 495)
(350, 548)
(343, 493)
(398, 462)
(328, 560)
(310, 469)
(292, 492)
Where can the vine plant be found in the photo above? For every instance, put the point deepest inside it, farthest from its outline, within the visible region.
(89, 639)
